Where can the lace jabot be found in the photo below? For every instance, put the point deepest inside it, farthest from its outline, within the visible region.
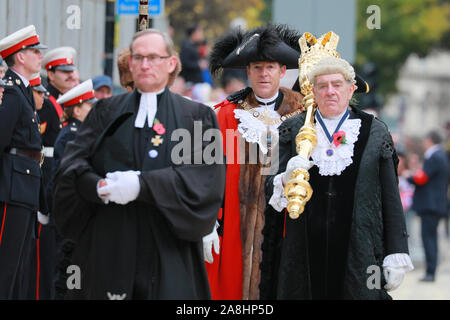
(342, 155)
(256, 124)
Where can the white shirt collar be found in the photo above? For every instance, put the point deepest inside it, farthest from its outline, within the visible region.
(431, 150)
(331, 122)
(338, 117)
(267, 99)
(24, 80)
(147, 108)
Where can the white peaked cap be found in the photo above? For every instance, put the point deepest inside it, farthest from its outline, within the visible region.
(81, 93)
(35, 79)
(21, 39)
(60, 58)
(35, 83)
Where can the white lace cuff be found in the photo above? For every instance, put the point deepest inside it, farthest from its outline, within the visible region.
(398, 260)
(278, 201)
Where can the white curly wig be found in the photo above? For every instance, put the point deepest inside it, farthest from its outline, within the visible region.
(330, 65)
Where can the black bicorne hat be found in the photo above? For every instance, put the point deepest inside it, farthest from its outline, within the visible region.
(235, 50)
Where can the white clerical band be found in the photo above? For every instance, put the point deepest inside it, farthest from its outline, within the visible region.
(147, 110)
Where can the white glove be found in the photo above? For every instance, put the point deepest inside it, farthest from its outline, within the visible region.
(394, 277)
(209, 241)
(42, 218)
(121, 187)
(294, 163)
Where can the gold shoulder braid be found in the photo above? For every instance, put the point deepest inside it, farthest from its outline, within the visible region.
(265, 117)
(290, 115)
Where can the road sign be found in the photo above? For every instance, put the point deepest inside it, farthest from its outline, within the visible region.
(131, 7)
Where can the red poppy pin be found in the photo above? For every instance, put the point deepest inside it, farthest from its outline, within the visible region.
(339, 138)
(158, 127)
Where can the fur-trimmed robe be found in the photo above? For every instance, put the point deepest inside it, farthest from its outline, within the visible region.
(235, 272)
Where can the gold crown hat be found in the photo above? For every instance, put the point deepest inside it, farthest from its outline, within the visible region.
(312, 51)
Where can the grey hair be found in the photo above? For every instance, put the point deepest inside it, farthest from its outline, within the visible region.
(167, 40)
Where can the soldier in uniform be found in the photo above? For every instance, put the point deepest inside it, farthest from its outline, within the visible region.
(77, 103)
(39, 94)
(61, 77)
(40, 261)
(20, 155)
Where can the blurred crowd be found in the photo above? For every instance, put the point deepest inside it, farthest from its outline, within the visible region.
(423, 173)
(195, 81)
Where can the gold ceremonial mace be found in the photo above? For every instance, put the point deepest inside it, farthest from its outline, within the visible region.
(298, 191)
(143, 15)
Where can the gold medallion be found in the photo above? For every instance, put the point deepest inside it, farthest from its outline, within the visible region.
(156, 141)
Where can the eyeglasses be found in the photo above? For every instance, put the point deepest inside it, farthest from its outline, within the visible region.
(151, 59)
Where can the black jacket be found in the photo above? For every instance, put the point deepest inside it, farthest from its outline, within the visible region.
(20, 177)
(432, 196)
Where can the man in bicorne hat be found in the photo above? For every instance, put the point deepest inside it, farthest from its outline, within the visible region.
(21, 192)
(253, 114)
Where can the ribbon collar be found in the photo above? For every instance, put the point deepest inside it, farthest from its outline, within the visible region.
(324, 127)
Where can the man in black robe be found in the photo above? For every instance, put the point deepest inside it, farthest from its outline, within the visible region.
(138, 232)
(350, 242)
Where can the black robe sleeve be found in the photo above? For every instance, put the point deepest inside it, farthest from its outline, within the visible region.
(72, 204)
(274, 220)
(393, 216)
(189, 196)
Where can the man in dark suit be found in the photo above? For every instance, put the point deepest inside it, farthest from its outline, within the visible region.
(430, 198)
(20, 155)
